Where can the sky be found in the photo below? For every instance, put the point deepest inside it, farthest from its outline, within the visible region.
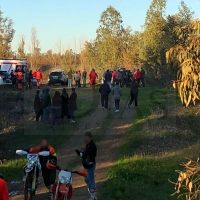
(73, 21)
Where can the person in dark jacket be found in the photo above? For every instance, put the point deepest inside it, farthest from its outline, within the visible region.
(56, 107)
(38, 106)
(84, 77)
(89, 163)
(65, 104)
(73, 105)
(108, 77)
(134, 92)
(104, 91)
(49, 175)
(46, 105)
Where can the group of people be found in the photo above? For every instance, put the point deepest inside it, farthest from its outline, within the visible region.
(60, 106)
(113, 84)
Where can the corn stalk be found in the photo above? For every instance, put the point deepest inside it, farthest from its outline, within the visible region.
(185, 57)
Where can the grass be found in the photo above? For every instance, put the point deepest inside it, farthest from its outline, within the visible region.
(26, 135)
(144, 177)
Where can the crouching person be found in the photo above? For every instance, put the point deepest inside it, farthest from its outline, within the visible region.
(89, 163)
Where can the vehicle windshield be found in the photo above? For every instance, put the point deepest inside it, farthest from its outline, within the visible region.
(55, 74)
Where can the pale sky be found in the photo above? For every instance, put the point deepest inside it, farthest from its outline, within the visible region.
(74, 20)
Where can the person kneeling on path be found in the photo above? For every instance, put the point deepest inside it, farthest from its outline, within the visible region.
(49, 175)
(104, 91)
(89, 163)
(117, 93)
(134, 93)
(3, 189)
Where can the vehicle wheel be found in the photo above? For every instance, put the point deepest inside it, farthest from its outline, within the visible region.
(27, 189)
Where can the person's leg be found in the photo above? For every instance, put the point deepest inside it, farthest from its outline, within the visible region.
(115, 104)
(106, 101)
(136, 98)
(87, 180)
(44, 115)
(91, 175)
(118, 100)
(131, 100)
(102, 101)
(72, 115)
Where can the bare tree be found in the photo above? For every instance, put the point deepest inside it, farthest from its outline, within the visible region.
(21, 47)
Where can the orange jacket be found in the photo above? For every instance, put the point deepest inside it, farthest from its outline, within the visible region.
(37, 149)
(34, 74)
(38, 75)
(93, 75)
(19, 76)
(3, 190)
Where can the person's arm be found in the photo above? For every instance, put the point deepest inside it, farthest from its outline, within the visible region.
(33, 149)
(4, 191)
(52, 150)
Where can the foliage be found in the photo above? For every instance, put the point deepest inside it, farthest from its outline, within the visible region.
(185, 58)
(188, 183)
(6, 35)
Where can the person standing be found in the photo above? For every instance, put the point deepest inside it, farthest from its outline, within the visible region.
(134, 92)
(119, 78)
(137, 76)
(73, 105)
(114, 76)
(108, 77)
(65, 104)
(104, 90)
(142, 76)
(46, 105)
(38, 106)
(117, 93)
(3, 189)
(84, 77)
(70, 78)
(89, 163)
(30, 77)
(38, 77)
(93, 76)
(77, 79)
(19, 76)
(56, 107)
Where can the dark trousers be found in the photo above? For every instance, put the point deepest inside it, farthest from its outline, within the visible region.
(138, 81)
(134, 96)
(104, 101)
(142, 80)
(39, 114)
(117, 101)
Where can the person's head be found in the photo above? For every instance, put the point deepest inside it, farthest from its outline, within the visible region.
(64, 91)
(138, 70)
(44, 142)
(87, 137)
(107, 70)
(117, 82)
(84, 69)
(73, 90)
(38, 92)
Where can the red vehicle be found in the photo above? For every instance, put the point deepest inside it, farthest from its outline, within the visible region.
(63, 190)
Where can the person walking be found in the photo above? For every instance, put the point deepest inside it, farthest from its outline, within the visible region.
(73, 105)
(70, 79)
(77, 79)
(93, 75)
(38, 106)
(38, 77)
(108, 77)
(142, 76)
(104, 90)
(134, 93)
(65, 105)
(3, 189)
(84, 77)
(89, 163)
(117, 93)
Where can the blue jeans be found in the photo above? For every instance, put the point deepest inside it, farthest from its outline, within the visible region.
(69, 83)
(56, 113)
(109, 83)
(89, 179)
(46, 113)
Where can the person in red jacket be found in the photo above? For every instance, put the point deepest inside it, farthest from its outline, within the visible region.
(114, 76)
(93, 76)
(38, 76)
(137, 76)
(19, 77)
(3, 189)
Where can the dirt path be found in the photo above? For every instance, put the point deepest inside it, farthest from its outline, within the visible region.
(107, 147)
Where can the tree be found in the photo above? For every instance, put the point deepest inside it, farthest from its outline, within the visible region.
(6, 35)
(184, 57)
(185, 14)
(34, 49)
(109, 38)
(21, 46)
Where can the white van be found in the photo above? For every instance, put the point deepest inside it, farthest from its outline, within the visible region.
(12, 64)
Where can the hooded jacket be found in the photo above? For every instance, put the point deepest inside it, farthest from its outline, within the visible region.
(117, 92)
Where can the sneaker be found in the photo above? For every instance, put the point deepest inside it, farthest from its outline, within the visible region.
(136, 106)
(116, 111)
(103, 108)
(93, 195)
(38, 182)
